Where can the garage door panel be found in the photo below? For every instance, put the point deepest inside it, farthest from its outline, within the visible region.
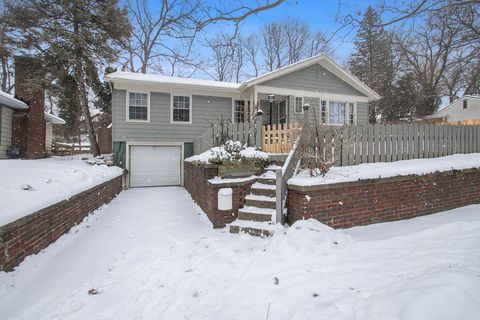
(155, 166)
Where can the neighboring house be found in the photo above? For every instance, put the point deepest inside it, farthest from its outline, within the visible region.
(155, 119)
(50, 121)
(463, 109)
(11, 107)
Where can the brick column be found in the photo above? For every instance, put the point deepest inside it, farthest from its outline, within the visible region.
(29, 126)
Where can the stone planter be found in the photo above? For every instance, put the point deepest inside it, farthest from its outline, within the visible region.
(239, 169)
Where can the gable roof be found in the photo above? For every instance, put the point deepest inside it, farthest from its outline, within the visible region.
(453, 103)
(326, 62)
(10, 101)
(322, 59)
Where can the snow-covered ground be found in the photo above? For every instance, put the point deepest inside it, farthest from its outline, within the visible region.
(389, 169)
(151, 254)
(29, 185)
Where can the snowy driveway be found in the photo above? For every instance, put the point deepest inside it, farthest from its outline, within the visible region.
(151, 255)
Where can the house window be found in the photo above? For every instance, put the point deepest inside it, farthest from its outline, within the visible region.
(336, 112)
(298, 104)
(351, 113)
(181, 109)
(239, 111)
(465, 104)
(323, 111)
(138, 106)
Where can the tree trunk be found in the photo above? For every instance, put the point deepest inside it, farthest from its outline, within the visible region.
(82, 91)
(86, 111)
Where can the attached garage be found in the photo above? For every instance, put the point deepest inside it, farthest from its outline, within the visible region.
(155, 165)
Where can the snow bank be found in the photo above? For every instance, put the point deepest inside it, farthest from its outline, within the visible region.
(310, 235)
(30, 185)
(389, 169)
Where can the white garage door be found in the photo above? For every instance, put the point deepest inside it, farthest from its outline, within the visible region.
(152, 166)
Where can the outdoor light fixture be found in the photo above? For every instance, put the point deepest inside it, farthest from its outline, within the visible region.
(306, 107)
(271, 97)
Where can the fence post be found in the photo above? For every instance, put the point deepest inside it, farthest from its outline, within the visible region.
(278, 195)
(258, 130)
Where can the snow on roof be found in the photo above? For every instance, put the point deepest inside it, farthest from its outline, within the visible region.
(158, 79)
(8, 100)
(53, 119)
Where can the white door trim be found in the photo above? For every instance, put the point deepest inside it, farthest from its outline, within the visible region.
(156, 144)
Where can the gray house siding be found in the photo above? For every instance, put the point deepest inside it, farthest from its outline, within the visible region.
(6, 115)
(362, 112)
(205, 109)
(314, 78)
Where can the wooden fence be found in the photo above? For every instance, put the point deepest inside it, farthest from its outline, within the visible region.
(279, 138)
(387, 143)
(248, 133)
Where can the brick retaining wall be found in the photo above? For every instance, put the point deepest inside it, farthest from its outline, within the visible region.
(205, 193)
(36, 231)
(349, 204)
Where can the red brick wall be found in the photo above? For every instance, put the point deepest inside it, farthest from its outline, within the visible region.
(345, 205)
(205, 194)
(28, 130)
(36, 231)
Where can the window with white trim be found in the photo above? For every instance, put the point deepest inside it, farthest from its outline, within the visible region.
(298, 104)
(336, 112)
(138, 106)
(351, 113)
(239, 111)
(323, 111)
(181, 109)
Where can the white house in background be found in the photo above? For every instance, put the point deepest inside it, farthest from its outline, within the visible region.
(8, 105)
(465, 108)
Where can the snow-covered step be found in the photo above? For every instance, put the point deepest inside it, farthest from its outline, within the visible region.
(254, 228)
(263, 189)
(272, 167)
(260, 198)
(268, 177)
(260, 201)
(255, 214)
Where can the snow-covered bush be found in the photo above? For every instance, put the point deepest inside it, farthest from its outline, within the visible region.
(230, 151)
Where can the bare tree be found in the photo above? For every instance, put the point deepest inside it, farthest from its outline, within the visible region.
(430, 53)
(169, 34)
(290, 41)
(251, 46)
(273, 46)
(223, 52)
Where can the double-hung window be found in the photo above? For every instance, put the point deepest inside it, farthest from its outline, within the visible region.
(336, 112)
(181, 109)
(239, 111)
(298, 104)
(138, 106)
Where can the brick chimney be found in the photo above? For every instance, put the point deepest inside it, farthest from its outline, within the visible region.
(28, 132)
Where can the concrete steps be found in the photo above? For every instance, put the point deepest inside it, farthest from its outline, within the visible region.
(260, 207)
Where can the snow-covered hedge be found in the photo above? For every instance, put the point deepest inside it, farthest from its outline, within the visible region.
(230, 151)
